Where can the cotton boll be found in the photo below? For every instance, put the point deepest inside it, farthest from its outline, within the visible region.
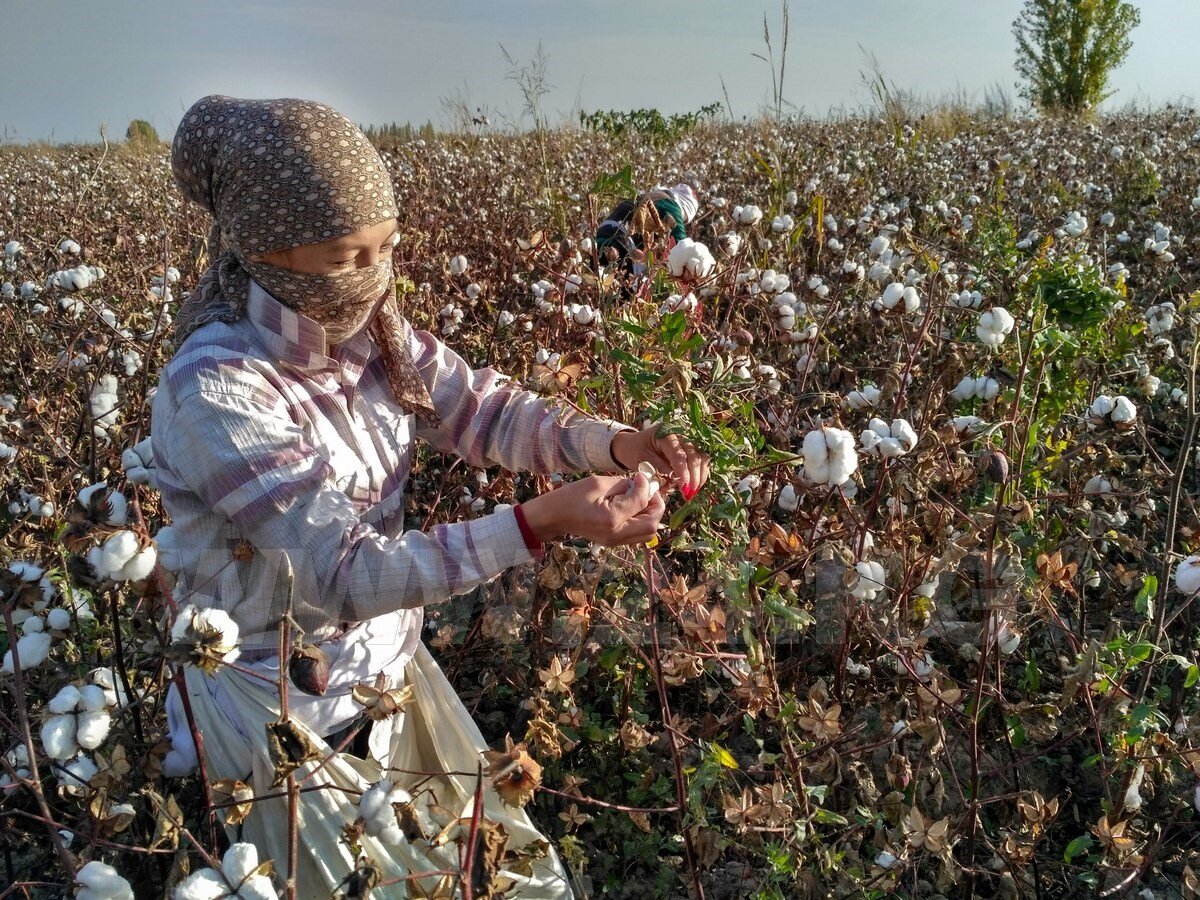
(788, 501)
(1123, 411)
(239, 862)
(458, 265)
(378, 815)
(994, 325)
(92, 698)
(91, 728)
(747, 486)
(139, 567)
(690, 260)
(32, 648)
(871, 581)
(100, 881)
(58, 619)
(168, 550)
(65, 701)
(892, 295)
(1187, 575)
(205, 884)
(829, 456)
(58, 736)
(866, 397)
(1133, 793)
(76, 774)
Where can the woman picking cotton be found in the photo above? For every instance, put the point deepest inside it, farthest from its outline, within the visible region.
(284, 428)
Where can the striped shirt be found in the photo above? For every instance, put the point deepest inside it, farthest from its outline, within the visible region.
(277, 451)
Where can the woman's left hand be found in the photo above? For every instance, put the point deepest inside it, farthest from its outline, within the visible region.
(667, 453)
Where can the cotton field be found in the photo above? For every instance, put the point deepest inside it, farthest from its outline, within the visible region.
(930, 630)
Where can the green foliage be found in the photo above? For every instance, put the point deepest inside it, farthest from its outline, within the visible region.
(1067, 49)
(1075, 295)
(647, 124)
(141, 132)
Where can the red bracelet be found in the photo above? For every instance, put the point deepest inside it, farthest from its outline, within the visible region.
(532, 544)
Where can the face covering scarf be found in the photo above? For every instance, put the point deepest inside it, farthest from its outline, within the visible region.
(278, 174)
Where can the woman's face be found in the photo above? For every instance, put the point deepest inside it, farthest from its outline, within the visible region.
(365, 247)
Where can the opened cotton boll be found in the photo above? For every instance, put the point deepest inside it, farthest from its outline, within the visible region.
(829, 455)
(866, 397)
(982, 387)
(1187, 575)
(994, 326)
(100, 505)
(888, 441)
(458, 265)
(871, 580)
(100, 881)
(690, 260)
(1118, 411)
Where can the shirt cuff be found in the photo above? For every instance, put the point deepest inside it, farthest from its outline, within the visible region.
(597, 444)
(499, 541)
(535, 547)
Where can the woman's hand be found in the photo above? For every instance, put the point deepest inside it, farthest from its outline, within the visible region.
(610, 510)
(668, 453)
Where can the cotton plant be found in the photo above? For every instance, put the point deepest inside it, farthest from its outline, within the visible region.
(888, 440)
(241, 876)
(994, 326)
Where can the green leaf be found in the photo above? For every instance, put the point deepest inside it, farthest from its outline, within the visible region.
(1140, 652)
(1081, 844)
(828, 817)
(724, 757)
(1144, 601)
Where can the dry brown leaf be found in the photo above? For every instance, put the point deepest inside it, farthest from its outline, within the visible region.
(238, 794)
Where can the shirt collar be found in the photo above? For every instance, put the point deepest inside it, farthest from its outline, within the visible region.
(300, 342)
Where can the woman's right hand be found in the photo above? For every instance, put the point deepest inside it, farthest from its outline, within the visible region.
(603, 509)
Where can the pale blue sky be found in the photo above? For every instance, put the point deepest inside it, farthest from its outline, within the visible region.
(68, 65)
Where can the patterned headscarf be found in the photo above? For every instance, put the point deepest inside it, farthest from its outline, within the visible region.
(278, 174)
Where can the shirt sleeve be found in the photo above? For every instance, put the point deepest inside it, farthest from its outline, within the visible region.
(488, 421)
(243, 457)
